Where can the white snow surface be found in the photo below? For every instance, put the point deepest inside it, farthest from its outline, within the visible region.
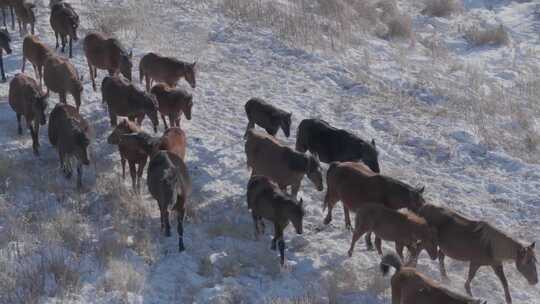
(242, 61)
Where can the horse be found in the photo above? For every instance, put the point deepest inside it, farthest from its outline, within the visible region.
(169, 183)
(60, 76)
(409, 286)
(269, 117)
(106, 54)
(172, 102)
(64, 22)
(165, 69)
(268, 157)
(37, 53)
(125, 99)
(25, 15)
(7, 4)
(69, 132)
(480, 244)
(402, 227)
(331, 144)
(266, 200)
(5, 40)
(26, 99)
(355, 184)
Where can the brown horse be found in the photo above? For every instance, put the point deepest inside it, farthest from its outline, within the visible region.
(125, 99)
(4, 47)
(479, 243)
(409, 286)
(37, 53)
(60, 76)
(165, 69)
(266, 200)
(173, 140)
(287, 167)
(106, 54)
(130, 151)
(25, 15)
(169, 183)
(355, 184)
(69, 132)
(402, 227)
(26, 99)
(172, 102)
(64, 22)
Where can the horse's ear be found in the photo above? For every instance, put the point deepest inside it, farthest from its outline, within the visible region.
(301, 203)
(532, 245)
(373, 142)
(421, 190)
(194, 64)
(81, 79)
(130, 54)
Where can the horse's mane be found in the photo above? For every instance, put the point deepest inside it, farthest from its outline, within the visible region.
(499, 244)
(119, 45)
(413, 216)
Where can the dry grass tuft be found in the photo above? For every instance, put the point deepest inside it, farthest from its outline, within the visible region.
(442, 8)
(497, 36)
(122, 277)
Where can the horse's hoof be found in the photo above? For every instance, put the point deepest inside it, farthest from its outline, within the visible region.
(350, 253)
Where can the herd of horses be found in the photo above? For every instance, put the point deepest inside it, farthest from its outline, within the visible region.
(386, 207)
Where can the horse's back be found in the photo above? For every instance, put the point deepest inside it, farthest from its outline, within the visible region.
(174, 141)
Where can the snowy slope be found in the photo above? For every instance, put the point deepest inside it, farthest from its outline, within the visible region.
(382, 95)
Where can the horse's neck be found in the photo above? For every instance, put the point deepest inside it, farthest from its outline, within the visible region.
(503, 247)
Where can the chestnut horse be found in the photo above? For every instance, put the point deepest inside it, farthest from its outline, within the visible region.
(165, 69)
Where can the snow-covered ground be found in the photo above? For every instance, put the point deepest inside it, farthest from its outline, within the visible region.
(437, 121)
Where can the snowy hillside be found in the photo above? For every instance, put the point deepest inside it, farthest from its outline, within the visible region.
(459, 118)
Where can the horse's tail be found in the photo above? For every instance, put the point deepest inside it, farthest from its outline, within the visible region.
(301, 138)
(388, 260)
(251, 187)
(329, 184)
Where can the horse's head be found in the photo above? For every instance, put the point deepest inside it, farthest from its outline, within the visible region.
(416, 198)
(526, 264)
(370, 157)
(190, 73)
(296, 215)
(39, 106)
(126, 65)
(150, 105)
(285, 124)
(5, 39)
(429, 242)
(82, 141)
(124, 127)
(314, 172)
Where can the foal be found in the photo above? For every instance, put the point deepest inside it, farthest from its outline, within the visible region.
(266, 200)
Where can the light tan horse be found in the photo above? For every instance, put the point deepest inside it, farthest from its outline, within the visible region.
(154, 67)
(37, 53)
(479, 243)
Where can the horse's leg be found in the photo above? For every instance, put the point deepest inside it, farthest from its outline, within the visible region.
(35, 138)
(63, 97)
(162, 217)
(140, 172)
(294, 189)
(164, 121)
(261, 222)
(12, 18)
(473, 268)
(112, 116)
(19, 128)
(2, 67)
(32, 28)
(358, 232)
(4, 16)
(255, 223)
(40, 70)
(123, 161)
(442, 269)
(499, 271)
(33, 134)
(23, 64)
(36, 71)
(274, 239)
(329, 201)
(92, 75)
(396, 294)
(133, 173)
(378, 245)
(281, 246)
(79, 175)
(147, 79)
(63, 38)
(180, 218)
(56, 35)
(414, 251)
(172, 120)
(70, 46)
(167, 223)
(348, 224)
